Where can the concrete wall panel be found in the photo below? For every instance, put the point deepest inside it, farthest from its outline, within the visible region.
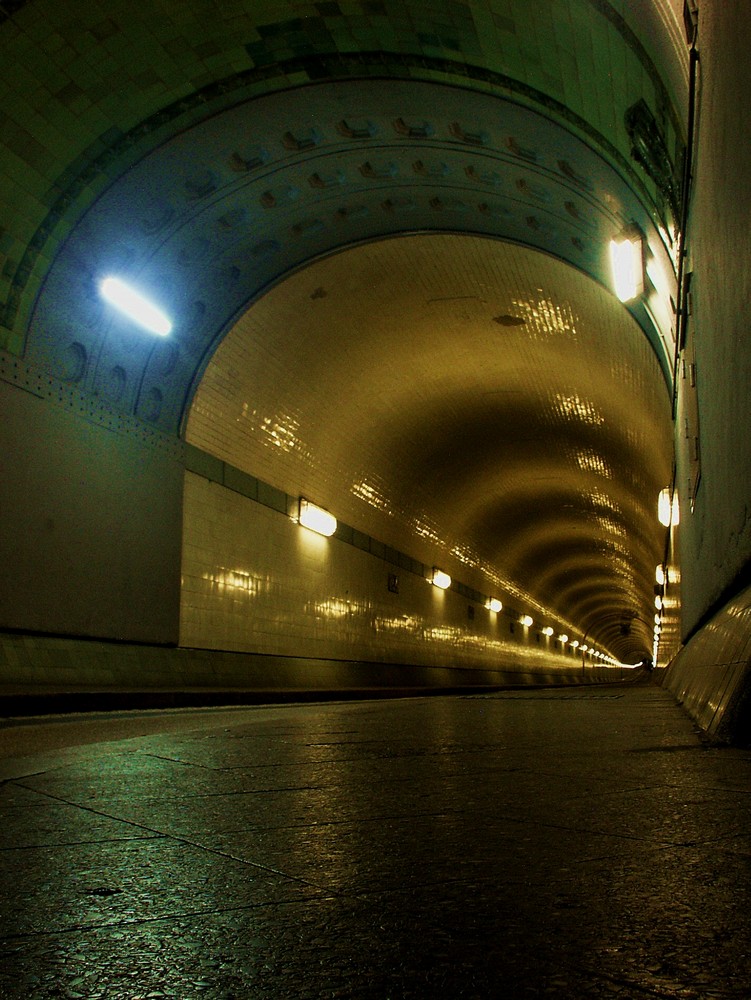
(91, 526)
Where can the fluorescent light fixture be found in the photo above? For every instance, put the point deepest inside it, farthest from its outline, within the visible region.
(668, 512)
(440, 579)
(526, 621)
(135, 306)
(548, 630)
(494, 605)
(627, 262)
(316, 518)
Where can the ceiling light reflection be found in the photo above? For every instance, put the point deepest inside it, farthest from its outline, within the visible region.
(627, 263)
(135, 306)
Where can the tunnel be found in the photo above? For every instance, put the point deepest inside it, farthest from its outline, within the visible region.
(381, 236)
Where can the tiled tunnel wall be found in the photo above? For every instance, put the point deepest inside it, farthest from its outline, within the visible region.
(304, 617)
(710, 674)
(254, 581)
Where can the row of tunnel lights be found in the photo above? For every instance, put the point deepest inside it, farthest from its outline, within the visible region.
(626, 258)
(669, 515)
(321, 521)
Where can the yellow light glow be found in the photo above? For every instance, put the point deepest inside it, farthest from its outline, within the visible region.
(563, 638)
(668, 513)
(316, 518)
(440, 579)
(526, 621)
(658, 602)
(584, 648)
(627, 265)
(575, 643)
(660, 575)
(135, 306)
(494, 605)
(548, 630)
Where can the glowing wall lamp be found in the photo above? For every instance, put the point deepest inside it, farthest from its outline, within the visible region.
(548, 630)
(526, 621)
(627, 263)
(135, 306)
(440, 579)
(668, 512)
(575, 644)
(563, 638)
(316, 518)
(494, 605)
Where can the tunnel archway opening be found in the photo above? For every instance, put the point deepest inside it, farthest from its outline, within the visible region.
(380, 382)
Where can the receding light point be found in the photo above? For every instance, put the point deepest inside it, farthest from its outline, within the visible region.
(548, 630)
(494, 605)
(316, 518)
(440, 579)
(135, 306)
(526, 620)
(668, 511)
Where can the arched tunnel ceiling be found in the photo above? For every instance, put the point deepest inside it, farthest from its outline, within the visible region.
(211, 218)
(465, 396)
(207, 155)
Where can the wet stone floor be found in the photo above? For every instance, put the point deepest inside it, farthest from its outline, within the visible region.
(568, 843)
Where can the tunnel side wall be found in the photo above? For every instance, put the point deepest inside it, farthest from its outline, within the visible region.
(49, 674)
(271, 611)
(715, 532)
(711, 675)
(256, 581)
